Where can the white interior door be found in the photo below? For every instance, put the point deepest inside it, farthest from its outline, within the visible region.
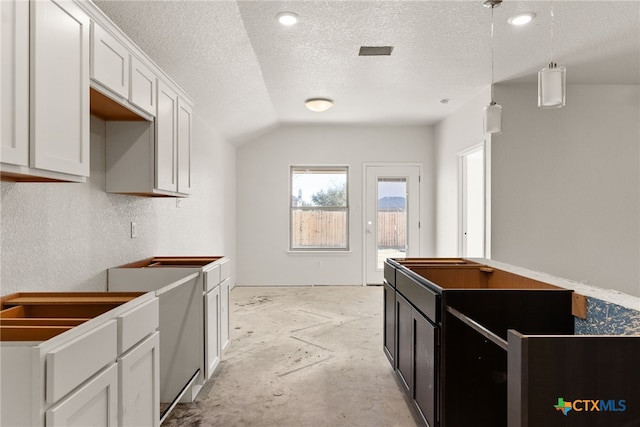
(472, 202)
(392, 216)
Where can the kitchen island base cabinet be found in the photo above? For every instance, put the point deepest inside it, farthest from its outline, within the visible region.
(389, 343)
(405, 340)
(417, 355)
(455, 371)
(425, 356)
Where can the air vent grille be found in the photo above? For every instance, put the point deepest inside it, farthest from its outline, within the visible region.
(375, 50)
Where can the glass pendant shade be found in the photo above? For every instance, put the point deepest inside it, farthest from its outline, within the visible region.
(552, 84)
(493, 118)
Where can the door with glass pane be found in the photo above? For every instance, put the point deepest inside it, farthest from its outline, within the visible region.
(392, 216)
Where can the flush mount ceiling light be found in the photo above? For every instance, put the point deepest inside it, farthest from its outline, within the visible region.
(521, 18)
(287, 18)
(318, 105)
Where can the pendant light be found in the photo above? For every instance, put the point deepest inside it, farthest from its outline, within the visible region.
(493, 111)
(552, 80)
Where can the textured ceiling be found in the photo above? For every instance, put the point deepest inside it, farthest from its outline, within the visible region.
(248, 74)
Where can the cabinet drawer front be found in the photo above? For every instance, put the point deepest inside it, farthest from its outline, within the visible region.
(136, 324)
(390, 274)
(424, 299)
(212, 278)
(94, 403)
(225, 270)
(70, 365)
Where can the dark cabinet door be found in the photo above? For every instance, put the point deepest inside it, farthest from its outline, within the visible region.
(404, 350)
(424, 367)
(390, 323)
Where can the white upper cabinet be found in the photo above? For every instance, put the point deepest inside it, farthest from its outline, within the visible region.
(184, 146)
(14, 107)
(167, 139)
(45, 91)
(109, 61)
(59, 132)
(63, 60)
(143, 87)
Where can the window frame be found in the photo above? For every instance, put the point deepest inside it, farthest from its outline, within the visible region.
(338, 168)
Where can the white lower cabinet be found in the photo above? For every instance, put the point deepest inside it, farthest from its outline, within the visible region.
(225, 288)
(102, 372)
(212, 331)
(139, 384)
(93, 404)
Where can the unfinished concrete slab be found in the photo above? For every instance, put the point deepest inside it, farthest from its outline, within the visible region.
(302, 356)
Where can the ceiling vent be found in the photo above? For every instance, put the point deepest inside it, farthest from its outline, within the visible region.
(375, 50)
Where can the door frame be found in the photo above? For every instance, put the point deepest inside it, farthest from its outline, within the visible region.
(365, 165)
(486, 145)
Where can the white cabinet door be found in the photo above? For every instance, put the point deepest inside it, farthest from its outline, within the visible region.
(184, 147)
(14, 107)
(139, 382)
(59, 87)
(166, 139)
(212, 331)
(93, 404)
(224, 314)
(142, 87)
(109, 61)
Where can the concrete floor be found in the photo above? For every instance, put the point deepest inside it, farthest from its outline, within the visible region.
(302, 356)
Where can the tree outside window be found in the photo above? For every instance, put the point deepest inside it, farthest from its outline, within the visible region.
(319, 208)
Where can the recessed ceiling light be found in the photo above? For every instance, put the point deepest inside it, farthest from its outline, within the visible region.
(287, 18)
(521, 18)
(444, 101)
(318, 105)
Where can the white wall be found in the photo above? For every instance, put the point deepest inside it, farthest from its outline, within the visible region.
(566, 184)
(62, 236)
(263, 197)
(460, 130)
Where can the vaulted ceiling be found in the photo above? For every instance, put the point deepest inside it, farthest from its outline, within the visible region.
(248, 74)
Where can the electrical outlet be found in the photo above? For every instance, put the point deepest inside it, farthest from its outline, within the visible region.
(318, 265)
(178, 202)
(134, 230)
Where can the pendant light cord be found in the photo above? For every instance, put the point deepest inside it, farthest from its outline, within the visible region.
(492, 49)
(552, 23)
(492, 66)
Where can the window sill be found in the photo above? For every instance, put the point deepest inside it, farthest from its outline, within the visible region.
(319, 252)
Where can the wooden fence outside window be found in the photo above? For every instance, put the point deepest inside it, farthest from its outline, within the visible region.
(328, 229)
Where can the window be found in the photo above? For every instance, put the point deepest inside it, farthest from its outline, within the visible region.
(319, 208)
